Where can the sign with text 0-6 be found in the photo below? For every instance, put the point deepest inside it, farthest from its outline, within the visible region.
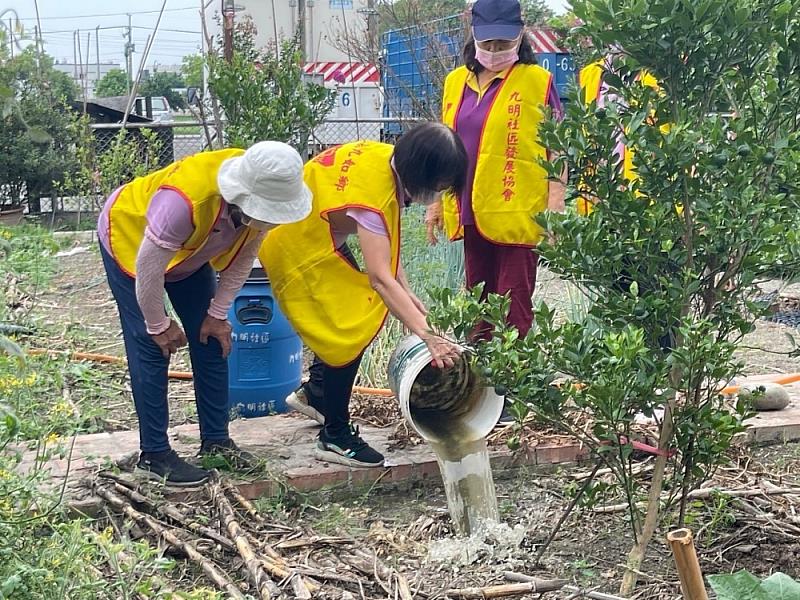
(341, 3)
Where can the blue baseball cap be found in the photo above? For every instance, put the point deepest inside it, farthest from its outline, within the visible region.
(496, 20)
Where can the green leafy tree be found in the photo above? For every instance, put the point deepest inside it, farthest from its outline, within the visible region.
(670, 259)
(264, 94)
(192, 70)
(38, 129)
(161, 83)
(113, 83)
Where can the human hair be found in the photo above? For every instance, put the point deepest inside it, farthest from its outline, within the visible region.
(431, 157)
(526, 54)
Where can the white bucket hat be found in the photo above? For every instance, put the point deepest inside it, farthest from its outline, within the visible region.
(266, 182)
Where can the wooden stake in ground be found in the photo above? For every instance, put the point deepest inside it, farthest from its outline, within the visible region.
(262, 582)
(511, 589)
(146, 521)
(682, 544)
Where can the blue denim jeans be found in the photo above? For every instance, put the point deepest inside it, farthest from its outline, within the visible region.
(148, 368)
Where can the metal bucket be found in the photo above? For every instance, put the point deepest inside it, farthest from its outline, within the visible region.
(441, 404)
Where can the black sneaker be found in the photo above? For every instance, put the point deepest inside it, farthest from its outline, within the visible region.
(302, 400)
(347, 449)
(170, 468)
(506, 418)
(228, 454)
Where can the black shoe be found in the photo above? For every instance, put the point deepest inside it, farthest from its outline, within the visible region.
(347, 449)
(303, 401)
(226, 454)
(506, 418)
(170, 468)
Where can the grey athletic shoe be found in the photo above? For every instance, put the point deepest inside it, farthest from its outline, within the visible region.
(299, 401)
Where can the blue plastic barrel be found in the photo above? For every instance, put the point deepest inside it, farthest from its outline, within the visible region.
(266, 360)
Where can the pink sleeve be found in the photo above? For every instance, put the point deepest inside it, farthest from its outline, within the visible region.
(554, 101)
(169, 220)
(368, 219)
(151, 264)
(232, 279)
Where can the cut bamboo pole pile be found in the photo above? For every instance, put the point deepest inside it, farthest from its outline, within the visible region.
(277, 561)
(682, 543)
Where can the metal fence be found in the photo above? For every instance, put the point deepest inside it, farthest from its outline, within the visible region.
(164, 143)
(149, 146)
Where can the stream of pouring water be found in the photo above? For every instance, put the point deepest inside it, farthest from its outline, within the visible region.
(466, 471)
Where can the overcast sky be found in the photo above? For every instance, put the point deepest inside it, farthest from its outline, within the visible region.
(178, 35)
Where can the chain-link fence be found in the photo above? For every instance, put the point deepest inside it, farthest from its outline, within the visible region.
(118, 155)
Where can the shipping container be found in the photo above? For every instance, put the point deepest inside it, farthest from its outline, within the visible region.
(416, 60)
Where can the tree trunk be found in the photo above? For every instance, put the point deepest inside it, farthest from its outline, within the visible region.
(637, 553)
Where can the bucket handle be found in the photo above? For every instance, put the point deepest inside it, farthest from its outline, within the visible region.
(257, 314)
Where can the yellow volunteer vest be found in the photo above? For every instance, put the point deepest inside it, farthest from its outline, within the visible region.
(510, 187)
(331, 305)
(590, 80)
(195, 179)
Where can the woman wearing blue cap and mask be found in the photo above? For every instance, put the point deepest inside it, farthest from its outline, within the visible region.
(495, 103)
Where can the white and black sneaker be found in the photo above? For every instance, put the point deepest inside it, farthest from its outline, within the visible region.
(347, 449)
(301, 401)
(171, 469)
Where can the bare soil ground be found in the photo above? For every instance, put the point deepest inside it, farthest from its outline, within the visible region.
(401, 526)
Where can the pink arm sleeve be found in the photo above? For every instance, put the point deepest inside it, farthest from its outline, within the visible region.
(368, 219)
(232, 279)
(151, 264)
(169, 220)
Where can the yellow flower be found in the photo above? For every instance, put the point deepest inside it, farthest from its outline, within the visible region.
(6, 234)
(53, 438)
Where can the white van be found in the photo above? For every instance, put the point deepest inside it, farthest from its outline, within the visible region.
(162, 113)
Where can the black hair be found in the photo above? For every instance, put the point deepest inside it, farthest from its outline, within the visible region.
(429, 158)
(526, 54)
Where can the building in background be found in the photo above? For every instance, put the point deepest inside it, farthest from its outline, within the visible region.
(335, 36)
(86, 74)
(325, 23)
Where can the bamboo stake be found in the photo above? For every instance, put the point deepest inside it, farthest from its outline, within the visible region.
(706, 493)
(214, 574)
(520, 577)
(169, 511)
(510, 589)
(259, 578)
(682, 544)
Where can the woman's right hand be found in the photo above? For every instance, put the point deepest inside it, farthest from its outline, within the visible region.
(443, 352)
(434, 221)
(170, 340)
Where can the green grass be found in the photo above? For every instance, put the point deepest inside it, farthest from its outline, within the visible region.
(194, 130)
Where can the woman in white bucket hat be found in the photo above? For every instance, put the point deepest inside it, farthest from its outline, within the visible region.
(173, 231)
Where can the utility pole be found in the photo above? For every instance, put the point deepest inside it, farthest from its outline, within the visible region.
(372, 28)
(75, 45)
(129, 50)
(11, 35)
(228, 12)
(97, 49)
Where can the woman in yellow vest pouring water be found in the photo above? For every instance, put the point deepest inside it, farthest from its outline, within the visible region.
(337, 309)
(173, 231)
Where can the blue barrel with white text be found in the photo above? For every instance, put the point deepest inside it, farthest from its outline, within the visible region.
(266, 360)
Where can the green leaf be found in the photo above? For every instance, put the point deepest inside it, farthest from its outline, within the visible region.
(10, 348)
(780, 586)
(737, 586)
(39, 135)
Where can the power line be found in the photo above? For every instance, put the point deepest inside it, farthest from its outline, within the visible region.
(122, 14)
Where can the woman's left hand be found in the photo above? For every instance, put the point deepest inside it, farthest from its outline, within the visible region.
(217, 328)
